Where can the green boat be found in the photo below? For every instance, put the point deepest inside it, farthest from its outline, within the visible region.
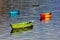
(21, 25)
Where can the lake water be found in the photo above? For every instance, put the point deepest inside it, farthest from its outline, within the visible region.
(41, 31)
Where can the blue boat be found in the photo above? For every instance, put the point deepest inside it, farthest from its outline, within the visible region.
(14, 13)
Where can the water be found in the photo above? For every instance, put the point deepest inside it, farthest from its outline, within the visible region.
(45, 31)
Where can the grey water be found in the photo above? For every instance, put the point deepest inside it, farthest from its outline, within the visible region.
(41, 31)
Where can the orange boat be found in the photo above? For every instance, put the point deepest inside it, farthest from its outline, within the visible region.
(45, 17)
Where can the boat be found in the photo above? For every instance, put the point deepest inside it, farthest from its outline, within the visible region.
(46, 15)
(35, 5)
(24, 24)
(14, 13)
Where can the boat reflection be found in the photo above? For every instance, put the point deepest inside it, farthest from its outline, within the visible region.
(46, 20)
(21, 30)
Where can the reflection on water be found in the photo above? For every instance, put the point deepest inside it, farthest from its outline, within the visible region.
(20, 30)
(46, 20)
(50, 30)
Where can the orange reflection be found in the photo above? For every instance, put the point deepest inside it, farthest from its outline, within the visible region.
(46, 20)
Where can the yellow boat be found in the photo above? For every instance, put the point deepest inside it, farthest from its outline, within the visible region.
(21, 25)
